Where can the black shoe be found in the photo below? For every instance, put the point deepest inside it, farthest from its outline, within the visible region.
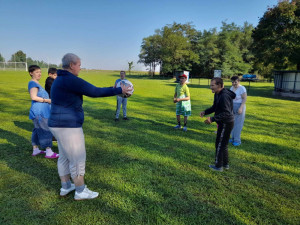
(125, 118)
(226, 167)
(117, 120)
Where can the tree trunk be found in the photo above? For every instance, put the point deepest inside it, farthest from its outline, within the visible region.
(160, 66)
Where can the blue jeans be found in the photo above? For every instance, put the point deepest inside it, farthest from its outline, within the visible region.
(123, 102)
(41, 134)
(238, 122)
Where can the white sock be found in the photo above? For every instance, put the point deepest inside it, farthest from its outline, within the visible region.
(49, 152)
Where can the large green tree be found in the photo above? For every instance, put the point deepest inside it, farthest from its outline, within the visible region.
(150, 54)
(227, 50)
(208, 52)
(177, 47)
(171, 47)
(276, 39)
(234, 44)
(19, 56)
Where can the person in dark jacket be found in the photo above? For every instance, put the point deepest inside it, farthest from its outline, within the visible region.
(65, 123)
(52, 74)
(223, 109)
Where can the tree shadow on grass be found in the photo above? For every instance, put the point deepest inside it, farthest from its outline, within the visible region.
(24, 125)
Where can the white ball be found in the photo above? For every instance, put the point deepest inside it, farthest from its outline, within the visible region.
(126, 83)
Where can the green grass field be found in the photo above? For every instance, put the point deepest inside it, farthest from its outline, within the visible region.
(148, 173)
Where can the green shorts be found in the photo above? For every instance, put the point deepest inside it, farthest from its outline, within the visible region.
(183, 108)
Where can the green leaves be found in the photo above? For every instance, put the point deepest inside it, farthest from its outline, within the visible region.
(277, 36)
(182, 47)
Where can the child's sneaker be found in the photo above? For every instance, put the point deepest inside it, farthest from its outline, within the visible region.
(236, 144)
(85, 194)
(177, 127)
(64, 192)
(184, 129)
(37, 151)
(231, 140)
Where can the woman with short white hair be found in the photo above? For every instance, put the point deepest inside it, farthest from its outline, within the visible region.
(66, 121)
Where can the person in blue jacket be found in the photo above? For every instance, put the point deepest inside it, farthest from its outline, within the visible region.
(65, 123)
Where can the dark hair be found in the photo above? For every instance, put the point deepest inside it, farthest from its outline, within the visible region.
(218, 81)
(234, 78)
(52, 70)
(33, 68)
(122, 71)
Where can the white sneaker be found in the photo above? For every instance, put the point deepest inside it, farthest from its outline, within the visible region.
(85, 194)
(64, 192)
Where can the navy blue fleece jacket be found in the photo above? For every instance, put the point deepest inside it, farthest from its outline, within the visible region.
(66, 99)
(222, 107)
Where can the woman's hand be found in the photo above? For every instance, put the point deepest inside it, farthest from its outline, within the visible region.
(240, 111)
(127, 91)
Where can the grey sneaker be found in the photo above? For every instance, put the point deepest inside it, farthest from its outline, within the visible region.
(85, 194)
(64, 192)
(213, 167)
(184, 129)
(177, 127)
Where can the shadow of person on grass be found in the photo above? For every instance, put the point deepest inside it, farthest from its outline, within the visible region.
(17, 155)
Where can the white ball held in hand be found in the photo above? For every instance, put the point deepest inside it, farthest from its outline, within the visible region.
(126, 83)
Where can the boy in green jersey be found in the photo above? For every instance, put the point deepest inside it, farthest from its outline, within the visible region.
(183, 102)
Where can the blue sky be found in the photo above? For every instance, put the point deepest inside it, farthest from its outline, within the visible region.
(107, 34)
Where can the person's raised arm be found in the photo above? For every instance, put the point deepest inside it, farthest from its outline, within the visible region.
(80, 86)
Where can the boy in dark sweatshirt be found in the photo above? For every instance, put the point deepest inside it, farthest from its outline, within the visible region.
(223, 109)
(52, 74)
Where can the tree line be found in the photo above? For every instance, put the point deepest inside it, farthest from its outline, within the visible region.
(20, 56)
(274, 44)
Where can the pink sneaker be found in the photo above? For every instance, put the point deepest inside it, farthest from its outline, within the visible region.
(41, 152)
(53, 156)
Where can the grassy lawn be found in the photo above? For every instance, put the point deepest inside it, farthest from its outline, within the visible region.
(148, 173)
